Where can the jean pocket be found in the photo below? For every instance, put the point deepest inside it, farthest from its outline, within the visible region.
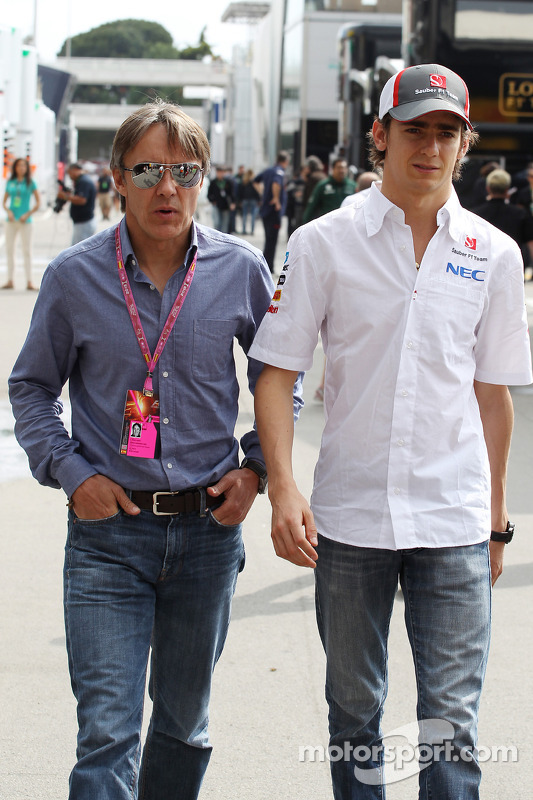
(218, 524)
(96, 522)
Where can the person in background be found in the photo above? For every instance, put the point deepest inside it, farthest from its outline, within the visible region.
(421, 308)
(524, 195)
(295, 199)
(363, 184)
(154, 525)
(271, 185)
(105, 192)
(236, 181)
(328, 194)
(20, 189)
(222, 198)
(314, 173)
(248, 199)
(513, 220)
(82, 200)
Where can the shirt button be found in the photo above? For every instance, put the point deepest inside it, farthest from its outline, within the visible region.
(397, 491)
(400, 442)
(165, 421)
(169, 465)
(402, 248)
(165, 374)
(405, 393)
(152, 287)
(410, 345)
(133, 262)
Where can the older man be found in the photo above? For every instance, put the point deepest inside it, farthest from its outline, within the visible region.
(141, 321)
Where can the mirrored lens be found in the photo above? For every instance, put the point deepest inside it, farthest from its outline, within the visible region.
(147, 175)
(186, 174)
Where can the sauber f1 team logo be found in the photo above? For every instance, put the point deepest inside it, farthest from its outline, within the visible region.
(438, 80)
(470, 242)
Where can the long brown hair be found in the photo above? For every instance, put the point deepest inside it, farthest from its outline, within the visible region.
(27, 176)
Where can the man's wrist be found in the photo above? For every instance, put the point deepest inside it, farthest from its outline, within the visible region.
(260, 471)
(503, 536)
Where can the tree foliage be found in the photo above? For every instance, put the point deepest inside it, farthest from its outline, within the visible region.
(132, 38)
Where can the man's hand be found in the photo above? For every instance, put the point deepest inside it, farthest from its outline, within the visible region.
(239, 488)
(496, 550)
(294, 533)
(99, 497)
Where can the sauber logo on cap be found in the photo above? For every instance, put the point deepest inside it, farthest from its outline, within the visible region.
(438, 80)
(470, 242)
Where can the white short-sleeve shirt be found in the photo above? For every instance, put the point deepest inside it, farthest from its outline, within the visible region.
(403, 461)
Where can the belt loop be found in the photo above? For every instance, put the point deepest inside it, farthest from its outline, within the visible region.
(203, 502)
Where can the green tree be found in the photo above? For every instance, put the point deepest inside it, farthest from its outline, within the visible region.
(125, 38)
(197, 52)
(133, 38)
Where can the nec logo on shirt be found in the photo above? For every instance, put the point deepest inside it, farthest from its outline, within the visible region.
(464, 272)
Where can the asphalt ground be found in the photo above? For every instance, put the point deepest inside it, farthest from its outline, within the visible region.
(268, 698)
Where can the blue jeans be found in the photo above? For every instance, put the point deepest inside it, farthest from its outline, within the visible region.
(249, 208)
(447, 613)
(83, 230)
(131, 583)
(221, 219)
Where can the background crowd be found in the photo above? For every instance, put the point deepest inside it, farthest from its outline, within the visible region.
(238, 198)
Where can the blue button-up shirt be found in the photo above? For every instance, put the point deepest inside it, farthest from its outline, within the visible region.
(81, 332)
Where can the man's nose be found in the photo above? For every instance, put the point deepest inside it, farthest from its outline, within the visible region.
(430, 144)
(167, 184)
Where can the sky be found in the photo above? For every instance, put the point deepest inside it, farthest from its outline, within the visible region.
(183, 19)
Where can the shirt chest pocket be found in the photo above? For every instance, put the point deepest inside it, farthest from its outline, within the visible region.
(452, 315)
(213, 348)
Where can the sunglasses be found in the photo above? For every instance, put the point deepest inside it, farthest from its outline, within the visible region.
(148, 175)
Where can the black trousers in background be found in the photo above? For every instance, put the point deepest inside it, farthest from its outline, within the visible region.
(272, 224)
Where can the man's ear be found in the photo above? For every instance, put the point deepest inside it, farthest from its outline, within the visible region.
(119, 179)
(379, 135)
(465, 146)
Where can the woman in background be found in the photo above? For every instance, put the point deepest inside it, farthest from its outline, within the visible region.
(17, 200)
(248, 197)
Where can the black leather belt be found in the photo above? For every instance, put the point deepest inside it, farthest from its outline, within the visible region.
(161, 503)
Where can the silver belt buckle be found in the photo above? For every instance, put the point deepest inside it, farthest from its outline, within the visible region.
(155, 497)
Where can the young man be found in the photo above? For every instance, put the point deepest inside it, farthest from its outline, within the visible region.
(142, 320)
(420, 306)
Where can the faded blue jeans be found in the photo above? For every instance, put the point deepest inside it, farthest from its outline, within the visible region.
(131, 583)
(447, 598)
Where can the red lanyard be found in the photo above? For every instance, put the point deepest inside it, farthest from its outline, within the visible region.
(136, 320)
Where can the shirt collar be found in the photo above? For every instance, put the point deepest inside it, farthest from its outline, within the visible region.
(131, 259)
(377, 207)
